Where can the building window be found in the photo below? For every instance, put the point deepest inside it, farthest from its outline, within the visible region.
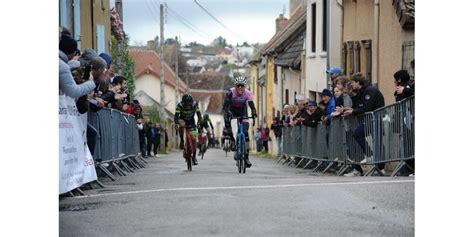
(325, 24)
(294, 97)
(287, 96)
(313, 27)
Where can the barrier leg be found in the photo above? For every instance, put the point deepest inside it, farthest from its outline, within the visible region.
(106, 172)
(329, 166)
(342, 170)
(133, 164)
(301, 161)
(319, 164)
(141, 159)
(119, 171)
(99, 183)
(307, 164)
(125, 166)
(286, 160)
(281, 158)
(80, 191)
(137, 162)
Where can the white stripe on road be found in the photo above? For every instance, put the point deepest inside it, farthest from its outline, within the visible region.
(247, 187)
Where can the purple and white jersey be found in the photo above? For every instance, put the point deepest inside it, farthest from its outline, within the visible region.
(238, 104)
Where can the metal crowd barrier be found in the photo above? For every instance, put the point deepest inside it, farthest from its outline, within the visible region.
(382, 136)
(117, 142)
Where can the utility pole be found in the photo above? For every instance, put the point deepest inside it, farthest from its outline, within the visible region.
(162, 68)
(176, 70)
(119, 9)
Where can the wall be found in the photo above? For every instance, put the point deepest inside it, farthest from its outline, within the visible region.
(391, 37)
(359, 25)
(101, 15)
(151, 85)
(316, 62)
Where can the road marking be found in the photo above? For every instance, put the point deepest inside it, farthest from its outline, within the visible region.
(247, 187)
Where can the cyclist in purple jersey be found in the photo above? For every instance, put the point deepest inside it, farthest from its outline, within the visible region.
(235, 105)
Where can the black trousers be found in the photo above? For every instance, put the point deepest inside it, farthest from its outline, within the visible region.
(156, 145)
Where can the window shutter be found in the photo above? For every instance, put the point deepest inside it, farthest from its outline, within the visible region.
(344, 58)
(100, 39)
(357, 56)
(351, 57)
(368, 58)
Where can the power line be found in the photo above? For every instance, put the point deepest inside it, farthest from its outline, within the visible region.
(222, 24)
(182, 21)
(186, 21)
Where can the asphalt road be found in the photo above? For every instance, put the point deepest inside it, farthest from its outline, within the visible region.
(164, 199)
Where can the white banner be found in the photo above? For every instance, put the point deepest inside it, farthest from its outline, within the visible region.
(76, 166)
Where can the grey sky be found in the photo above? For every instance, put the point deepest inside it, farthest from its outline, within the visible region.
(252, 20)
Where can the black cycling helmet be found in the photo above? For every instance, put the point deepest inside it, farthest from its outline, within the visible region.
(187, 98)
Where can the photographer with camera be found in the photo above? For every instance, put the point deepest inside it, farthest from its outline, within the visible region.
(67, 51)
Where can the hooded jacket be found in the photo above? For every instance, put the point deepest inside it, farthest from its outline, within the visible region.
(67, 83)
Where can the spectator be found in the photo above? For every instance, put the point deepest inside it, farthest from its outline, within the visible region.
(341, 102)
(156, 138)
(312, 115)
(258, 139)
(368, 99)
(301, 104)
(265, 138)
(119, 86)
(67, 50)
(137, 112)
(344, 100)
(277, 127)
(404, 87)
(285, 115)
(149, 137)
(166, 138)
(330, 104)
(334, 72)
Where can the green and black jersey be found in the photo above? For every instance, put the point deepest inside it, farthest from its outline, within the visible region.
(187, 114)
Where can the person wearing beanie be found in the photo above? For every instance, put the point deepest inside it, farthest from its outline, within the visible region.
(107, 59)
(328, 99)
(312, 115)
(67, 49)
(404, 87)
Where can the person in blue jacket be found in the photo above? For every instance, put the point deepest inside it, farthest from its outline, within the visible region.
(328, 99)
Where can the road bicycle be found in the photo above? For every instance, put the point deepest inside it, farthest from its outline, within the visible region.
(241, 152)
(202, 143)
(226, 145)
(189, 147)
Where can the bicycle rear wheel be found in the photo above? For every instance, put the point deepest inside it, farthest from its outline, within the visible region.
(240, 166)
(188, 154)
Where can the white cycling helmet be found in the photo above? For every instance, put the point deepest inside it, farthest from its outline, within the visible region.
(240, 80)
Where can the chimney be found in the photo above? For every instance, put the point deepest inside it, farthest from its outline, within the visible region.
(281, 22)
(151, 45)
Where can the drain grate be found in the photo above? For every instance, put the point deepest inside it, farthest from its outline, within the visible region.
(79, 207)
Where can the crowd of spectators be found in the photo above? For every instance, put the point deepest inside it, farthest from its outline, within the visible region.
(350, 96)
(89, 78)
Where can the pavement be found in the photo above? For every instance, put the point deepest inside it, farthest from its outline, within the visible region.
(164, 199)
